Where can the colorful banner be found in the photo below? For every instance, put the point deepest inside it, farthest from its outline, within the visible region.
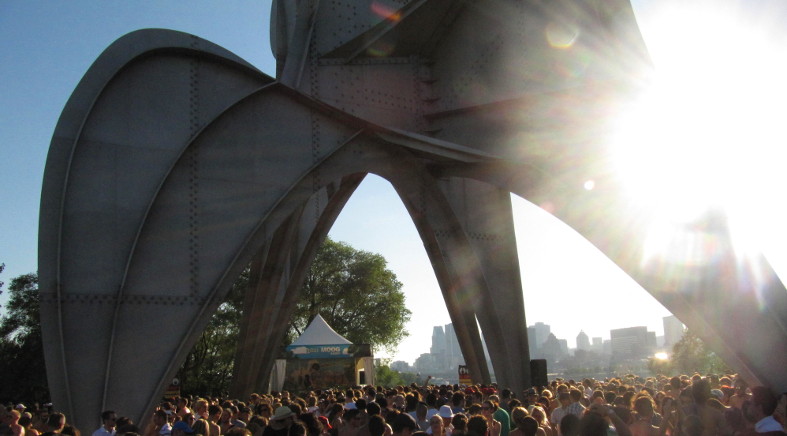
(302, 374)
(320, 351)
(464, 376)
(173, 390)
(334, 351)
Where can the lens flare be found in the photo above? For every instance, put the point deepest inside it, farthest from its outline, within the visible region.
(707, 134)
(386, 12)
(561, 35)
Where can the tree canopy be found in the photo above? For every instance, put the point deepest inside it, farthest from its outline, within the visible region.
(352, 289)
(689, 355)
(359, 297)
(22, 365)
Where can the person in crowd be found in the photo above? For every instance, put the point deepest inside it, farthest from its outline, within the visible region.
(403, 424)
(159, 426)
(182, 407)
(336, 417)
(501, 416)
(569, 425)
(699, 419)
(540, 415)
(458, 402)
(181, 428)
(201, 427)
(575, 407)
(377, 426)
(780, 413)
(257, 425)
(431, 403)
(643, 420)
(759, 410)
(446, 415)
(214, 413)
(421, 420)
(26, 421)
(459, 424)
(564, 400)
(518, 415)
(352, 423)
(109, 421)
(597, 420)
(225, 419)
(280, 423)
(70, 430)
(436, 427)
(54, 424)
(477, 425)
(488, 409)
(12, 421)
(741, 393)
(239, 431)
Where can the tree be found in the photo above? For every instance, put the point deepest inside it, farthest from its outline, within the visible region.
(209, 366)
(2, 267)
(689, 355)
(356, 294)
(22, 365)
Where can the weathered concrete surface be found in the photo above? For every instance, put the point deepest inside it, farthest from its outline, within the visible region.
(175, 164)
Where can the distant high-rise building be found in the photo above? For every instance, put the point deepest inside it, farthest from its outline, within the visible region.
(583, 342)
(598, 344)
(438, 341)
(401, 366)
(673, 330)
(428, 363)
(542, 332)
(453, 353)
(531, 341)
(632, 342)
(563, 347)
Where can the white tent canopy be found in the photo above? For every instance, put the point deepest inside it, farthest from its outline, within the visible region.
(319, 333)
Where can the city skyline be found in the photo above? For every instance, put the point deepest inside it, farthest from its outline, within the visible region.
(444, 349)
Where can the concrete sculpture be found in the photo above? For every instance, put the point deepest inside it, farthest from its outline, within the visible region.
(175, 164)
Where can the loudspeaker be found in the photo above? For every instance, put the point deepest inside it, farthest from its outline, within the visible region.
(538, 372)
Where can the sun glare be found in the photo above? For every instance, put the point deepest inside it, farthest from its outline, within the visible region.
(708, 132)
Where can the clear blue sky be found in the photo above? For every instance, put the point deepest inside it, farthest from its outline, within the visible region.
(47, 47)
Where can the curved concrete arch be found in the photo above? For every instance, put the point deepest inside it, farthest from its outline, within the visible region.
(264, 324)
(81, 140)
(165, 267)
(730, 301)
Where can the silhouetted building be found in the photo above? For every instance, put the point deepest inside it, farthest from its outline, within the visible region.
(583, 342)
(632, 342)
(673, 330)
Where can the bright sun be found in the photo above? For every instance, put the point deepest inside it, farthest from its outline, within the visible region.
(710, 131)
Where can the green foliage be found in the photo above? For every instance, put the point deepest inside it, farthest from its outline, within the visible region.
(351, 289)
(356, 294)
(385, 376)
(22, 365)
(689, 355)
(208, 367)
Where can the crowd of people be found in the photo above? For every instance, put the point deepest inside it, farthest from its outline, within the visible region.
(628, 406)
